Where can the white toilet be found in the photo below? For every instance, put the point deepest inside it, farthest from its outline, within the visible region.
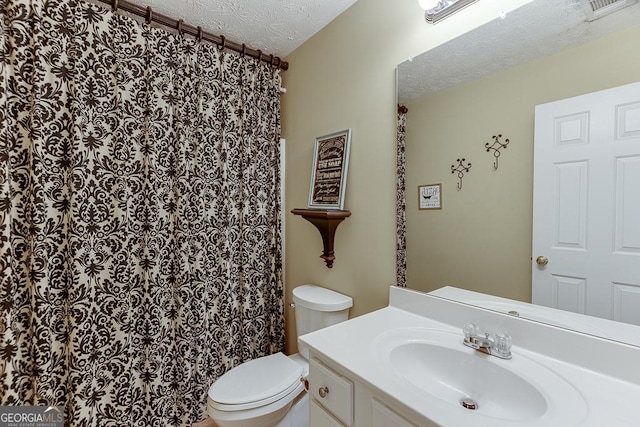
(268, 391)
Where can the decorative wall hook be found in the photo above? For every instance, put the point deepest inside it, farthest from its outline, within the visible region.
(496, 147)
(461, 169)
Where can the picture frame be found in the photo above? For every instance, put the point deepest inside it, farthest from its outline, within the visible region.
(430, 196)
(329, 170)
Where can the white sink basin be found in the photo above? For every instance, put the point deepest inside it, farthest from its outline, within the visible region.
(451, 375)
(437, 364)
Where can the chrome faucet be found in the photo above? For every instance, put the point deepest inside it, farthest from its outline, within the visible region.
(498, 345)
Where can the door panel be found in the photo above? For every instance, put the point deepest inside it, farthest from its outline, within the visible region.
(626, 300)
(570, 213)
(627, 207)
(569, 293)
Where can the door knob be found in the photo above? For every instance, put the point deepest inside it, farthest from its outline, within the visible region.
(542, 260)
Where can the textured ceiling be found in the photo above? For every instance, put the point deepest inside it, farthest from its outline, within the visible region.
(535, 30)
(276, 27)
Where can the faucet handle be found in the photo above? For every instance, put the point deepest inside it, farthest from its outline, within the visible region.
(502, 343)
(470, 330)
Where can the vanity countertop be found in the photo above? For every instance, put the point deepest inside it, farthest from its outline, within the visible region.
(603, 372)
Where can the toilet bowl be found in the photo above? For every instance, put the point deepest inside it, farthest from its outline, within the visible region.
(260, 392)
(269, 391)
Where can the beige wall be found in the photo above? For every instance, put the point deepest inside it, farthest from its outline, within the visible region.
(481, 239)
(344, 77)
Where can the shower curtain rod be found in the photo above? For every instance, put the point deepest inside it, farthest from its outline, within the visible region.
(198, 32)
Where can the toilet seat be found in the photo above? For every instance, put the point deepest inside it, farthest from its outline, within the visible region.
(256, 383)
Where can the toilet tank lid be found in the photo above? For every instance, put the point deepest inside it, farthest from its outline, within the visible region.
(320, 299)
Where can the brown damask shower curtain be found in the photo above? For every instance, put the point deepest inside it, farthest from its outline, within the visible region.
(139, 215)
(401, 199)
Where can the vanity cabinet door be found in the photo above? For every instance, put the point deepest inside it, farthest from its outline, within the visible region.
(332, 391)
(320, 418)
(383, 416)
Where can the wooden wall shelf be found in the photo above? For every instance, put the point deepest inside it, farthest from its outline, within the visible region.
(326, 221)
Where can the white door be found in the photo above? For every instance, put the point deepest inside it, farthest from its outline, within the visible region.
(586, 198)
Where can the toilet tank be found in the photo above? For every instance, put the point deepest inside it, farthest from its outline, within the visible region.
(317, 308)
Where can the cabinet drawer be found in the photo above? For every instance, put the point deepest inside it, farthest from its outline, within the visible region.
(331, 390)
(383, 416)
(320, 417)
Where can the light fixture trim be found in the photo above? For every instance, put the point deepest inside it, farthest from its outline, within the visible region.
(428, 4)
(595, 9)
(444, 9)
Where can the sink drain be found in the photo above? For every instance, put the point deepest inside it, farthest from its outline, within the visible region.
(469, 403)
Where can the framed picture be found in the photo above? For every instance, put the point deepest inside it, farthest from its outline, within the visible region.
(430, 196)
(329, 170)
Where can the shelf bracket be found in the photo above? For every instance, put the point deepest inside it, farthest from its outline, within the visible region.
(326, 221)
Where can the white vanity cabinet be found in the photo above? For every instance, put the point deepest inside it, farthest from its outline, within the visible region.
(338, 399)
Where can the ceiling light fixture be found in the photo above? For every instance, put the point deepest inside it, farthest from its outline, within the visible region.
(437, 10)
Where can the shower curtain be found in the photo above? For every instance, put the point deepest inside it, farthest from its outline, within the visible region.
(139, 215)
(401, 199)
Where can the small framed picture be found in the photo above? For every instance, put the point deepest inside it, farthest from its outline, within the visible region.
(430, 196)
(329, 170)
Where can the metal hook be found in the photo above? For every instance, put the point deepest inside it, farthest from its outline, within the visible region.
(180, 22)
(496, 147)
(244, 50)
(279, 62)
(461, 169)
(149, 15)
(224, 42)
(271, 61)
(114, 5)
(259, 54)
(199, 36)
